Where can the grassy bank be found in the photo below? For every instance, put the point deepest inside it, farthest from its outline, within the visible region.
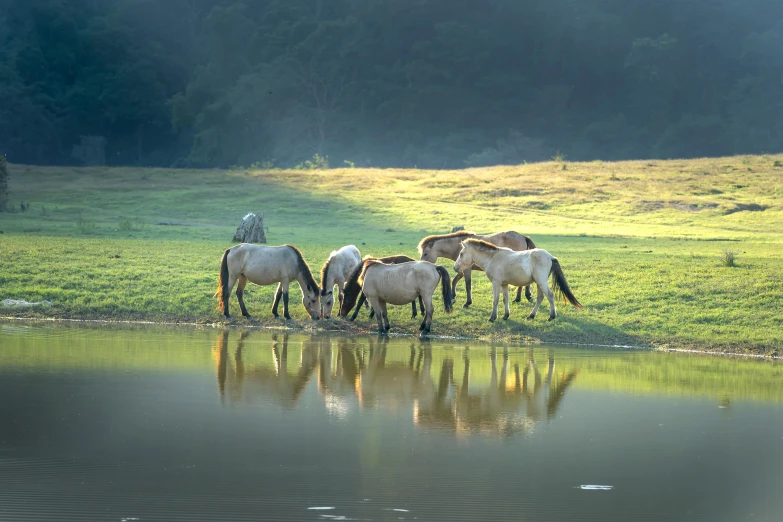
(640, 242)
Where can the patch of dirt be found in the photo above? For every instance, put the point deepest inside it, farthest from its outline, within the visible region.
(749, 207)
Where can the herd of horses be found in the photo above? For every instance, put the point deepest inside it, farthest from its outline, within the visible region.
(507, 258)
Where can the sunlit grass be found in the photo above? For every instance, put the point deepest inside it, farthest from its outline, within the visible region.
(640, 242)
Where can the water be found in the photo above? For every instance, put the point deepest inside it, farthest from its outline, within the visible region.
(156, 424)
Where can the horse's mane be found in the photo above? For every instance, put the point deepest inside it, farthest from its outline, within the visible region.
(429, 240)
(325, 271)
(367, 263)
(304, 270)
(482, 245)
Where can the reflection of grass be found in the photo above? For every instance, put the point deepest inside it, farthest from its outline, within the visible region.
(638, 242)
(186, 349)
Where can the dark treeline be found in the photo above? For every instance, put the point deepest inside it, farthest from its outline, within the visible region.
(431, 83)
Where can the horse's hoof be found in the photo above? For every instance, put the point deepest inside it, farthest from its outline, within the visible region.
(466, 305)
(492, 319)
(505, 317)
(531, 317)
(287, 317)
(551, 318)
(249, 318)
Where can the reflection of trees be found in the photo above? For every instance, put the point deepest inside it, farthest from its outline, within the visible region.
(516, 398)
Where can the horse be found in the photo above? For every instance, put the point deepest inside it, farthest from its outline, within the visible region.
(400, 284)
(266, 265)
(353, 290)
(504, 266)
(336, 271)
(448, 246)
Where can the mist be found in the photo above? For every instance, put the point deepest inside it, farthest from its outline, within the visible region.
(403, 83)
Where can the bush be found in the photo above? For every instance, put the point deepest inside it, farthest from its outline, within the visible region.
(728, 258)
(317, 163)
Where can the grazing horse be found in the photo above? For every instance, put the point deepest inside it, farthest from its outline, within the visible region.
(504, 266)
(353, 290)
(401, 284)
(448, 246)
(266, 265)
(336, 271)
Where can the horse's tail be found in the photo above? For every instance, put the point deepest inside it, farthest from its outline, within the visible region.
(445, 286)
(530, 244)
(222, 291)
(560, 285)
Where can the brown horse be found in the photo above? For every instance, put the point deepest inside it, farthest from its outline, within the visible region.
(353, 290)
(266, 265)
(402, 284)
(448, 246)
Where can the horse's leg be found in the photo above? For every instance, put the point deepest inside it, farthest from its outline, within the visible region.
(232, 280)
(376, 306)
(413, 309)
(240, 296)
(507, 310)
(468, 289)
(421, 305)
(495, 299)
(429, 309)
(362, 300)
(550, 295)
(278, 295)
(528, 294)
(539, 298)
(387, 326)
(453, 288)
(285, 301)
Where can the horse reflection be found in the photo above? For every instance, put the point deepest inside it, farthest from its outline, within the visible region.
(349, 373)
(502, 408)
(238, 383)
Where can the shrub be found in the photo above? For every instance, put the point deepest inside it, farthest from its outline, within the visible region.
(728, 258)
(317, 163)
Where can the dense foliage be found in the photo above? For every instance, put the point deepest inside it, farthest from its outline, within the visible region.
(432, 83)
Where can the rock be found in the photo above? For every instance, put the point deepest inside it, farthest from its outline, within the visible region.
(251, 230)
(14, 303)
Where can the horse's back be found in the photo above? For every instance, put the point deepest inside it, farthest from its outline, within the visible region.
(508, 239)
(263, 264)
(396, 284)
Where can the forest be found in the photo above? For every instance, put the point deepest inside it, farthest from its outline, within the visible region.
(388, 83)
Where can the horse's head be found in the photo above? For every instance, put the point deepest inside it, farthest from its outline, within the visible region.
(327, 302)
(428, 252)
(464, 259)
(311, 300)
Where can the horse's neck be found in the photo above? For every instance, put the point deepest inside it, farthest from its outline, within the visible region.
(481, 258)
(302, 279)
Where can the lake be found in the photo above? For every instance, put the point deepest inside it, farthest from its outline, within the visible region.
(137, 423)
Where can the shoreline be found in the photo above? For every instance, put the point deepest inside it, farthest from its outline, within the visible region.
(356, 331)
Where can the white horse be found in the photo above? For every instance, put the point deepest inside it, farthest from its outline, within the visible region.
(504, 266)
(266, 265)
(336, 271)
(402, 284)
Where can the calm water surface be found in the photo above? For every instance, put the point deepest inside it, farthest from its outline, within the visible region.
(154, 424)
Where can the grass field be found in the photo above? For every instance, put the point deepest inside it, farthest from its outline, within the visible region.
(641, 243)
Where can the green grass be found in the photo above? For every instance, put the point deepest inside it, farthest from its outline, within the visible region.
(641, 243)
